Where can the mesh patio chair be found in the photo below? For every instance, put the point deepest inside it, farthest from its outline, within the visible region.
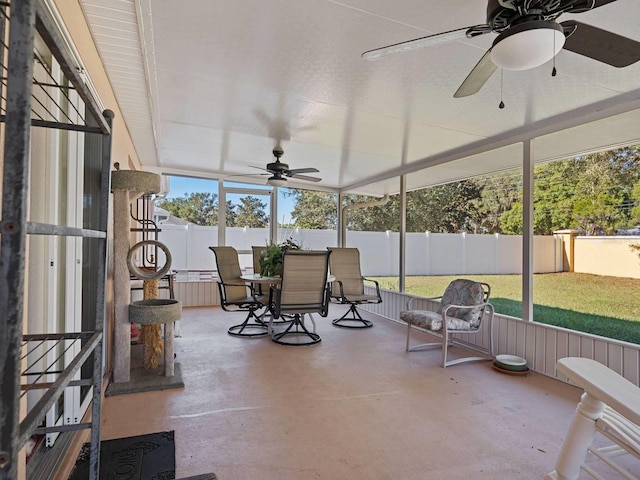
(257, 250)
(303, 291)
(461, 309)
(236, 295)
(348, 287)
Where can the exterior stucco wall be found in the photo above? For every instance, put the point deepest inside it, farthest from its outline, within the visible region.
(610, 256)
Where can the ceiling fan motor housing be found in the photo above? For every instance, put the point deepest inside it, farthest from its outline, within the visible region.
(502, 14)
(498, 17)
(277, 166)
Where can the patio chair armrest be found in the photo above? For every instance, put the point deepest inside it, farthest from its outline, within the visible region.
(249, 286)
(485, 305)
(467, 307)
(464, 307)
(375, 282)
(412, 299)
(242, 284)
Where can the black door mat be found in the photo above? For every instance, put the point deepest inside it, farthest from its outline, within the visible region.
(204, 476)
(144, 457)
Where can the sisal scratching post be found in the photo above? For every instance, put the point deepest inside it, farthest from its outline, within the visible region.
(151, 339)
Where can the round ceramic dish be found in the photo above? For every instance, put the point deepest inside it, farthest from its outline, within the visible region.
(511, 360)
(510, 372)
(511, 368)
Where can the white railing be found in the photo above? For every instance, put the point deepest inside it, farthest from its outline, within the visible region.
(542, 345)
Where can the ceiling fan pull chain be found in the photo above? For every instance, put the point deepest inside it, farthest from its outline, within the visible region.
(554, 72)
(501, 105)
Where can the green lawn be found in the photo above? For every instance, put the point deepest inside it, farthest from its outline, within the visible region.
(607, 306)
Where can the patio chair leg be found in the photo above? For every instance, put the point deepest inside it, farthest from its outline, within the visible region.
(353, 321)
(578, 439)
(296, 334)
(248, 328)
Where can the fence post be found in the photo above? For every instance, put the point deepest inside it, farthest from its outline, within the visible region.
(568, 242)
(428, 252)
(496, 259)
(463, 237)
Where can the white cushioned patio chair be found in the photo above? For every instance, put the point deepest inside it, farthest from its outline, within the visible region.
(303, 291)
(348, 287)
(236, 295)
(464, 307)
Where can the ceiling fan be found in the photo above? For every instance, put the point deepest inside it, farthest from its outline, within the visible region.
(528, 36)
(279, 171)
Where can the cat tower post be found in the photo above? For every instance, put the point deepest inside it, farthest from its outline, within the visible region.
(126, 186)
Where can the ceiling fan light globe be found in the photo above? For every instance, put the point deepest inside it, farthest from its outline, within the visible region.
(277, 181)
(527, 45)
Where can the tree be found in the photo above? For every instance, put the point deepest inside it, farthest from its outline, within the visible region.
(499, 193)
(595, 194)
(607, 181)
(446, 208)
(373, 219)
(635, 211)
(511, 220)
(314, 210)
(590, 193)
(554, 196)
(449, 208)
(251, 213)
(596, 216)
(199, 208)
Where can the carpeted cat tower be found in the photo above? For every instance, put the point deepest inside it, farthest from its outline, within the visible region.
(154, 314)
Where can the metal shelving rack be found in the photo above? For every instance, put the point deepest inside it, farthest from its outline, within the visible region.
(19, 22)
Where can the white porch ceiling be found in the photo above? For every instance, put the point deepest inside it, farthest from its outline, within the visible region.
(207, 87)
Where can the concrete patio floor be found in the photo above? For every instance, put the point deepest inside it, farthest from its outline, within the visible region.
(356, 406)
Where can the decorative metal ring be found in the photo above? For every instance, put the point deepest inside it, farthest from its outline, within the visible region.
(146, 275)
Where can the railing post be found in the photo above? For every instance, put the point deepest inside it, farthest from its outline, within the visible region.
(14, 214)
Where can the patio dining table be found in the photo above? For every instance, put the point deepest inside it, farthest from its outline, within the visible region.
(257, 278)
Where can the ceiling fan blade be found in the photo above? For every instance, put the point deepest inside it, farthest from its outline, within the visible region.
(304, 177)
(238, 175)
(601, 45)
(477, 77)
(585, 5)
(296, 171)
(259, 168)
(427, 41)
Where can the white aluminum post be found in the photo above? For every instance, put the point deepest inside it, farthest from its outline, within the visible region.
(527, 231)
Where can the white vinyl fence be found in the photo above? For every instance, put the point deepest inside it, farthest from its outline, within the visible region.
(426, 253)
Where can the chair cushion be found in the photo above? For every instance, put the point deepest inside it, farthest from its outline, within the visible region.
(433, 321)
(463, 292)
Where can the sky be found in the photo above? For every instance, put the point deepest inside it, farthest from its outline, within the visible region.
(181, 186)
